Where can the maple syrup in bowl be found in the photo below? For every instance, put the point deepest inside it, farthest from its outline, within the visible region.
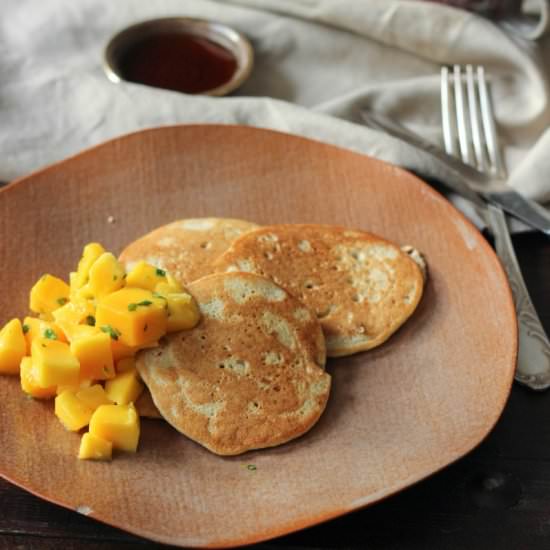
(193, 56)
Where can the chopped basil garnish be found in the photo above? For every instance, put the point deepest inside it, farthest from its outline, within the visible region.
(157, 295)
(62, 301)
(251, 467)
(144, 303)
(26, 329)
(160, 272)
(50, 334)
(112, 332)
(90, 320)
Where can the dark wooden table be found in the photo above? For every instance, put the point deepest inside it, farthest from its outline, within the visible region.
(497, 497)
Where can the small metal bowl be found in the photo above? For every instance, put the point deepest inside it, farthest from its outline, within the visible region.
(218, 33)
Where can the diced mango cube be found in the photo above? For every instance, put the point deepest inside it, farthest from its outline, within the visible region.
(145, 275)
(125, 364)
(80, 331)
(170, 286)
(73, 313)
(72, 412)
(48, 294)
(80, 385)
(120, 350)
(183, 312)
(106, 276)
(93, 447)
(94, 396)
(13, 347)
(45, 317)
(37, 328)
(29, 383)
(125, 388)
(118, 424)
(69, 313)
(54, 362)
(90, 254)
(132, 315)
(73, 276)
(93, 351)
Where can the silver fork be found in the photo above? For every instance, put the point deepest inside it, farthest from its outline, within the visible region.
(469, 132)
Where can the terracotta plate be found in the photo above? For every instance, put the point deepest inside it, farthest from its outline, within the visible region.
(396, 414)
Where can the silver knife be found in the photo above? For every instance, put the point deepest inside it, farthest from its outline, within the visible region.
(470, 183)
(533, 366)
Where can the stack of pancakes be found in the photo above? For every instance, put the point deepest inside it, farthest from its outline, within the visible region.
(275, 301)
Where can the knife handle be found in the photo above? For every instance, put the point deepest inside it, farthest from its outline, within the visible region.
(523, 209)
(471, 183)
(533, 366)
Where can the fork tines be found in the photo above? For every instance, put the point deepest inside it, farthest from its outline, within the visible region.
(468, 122)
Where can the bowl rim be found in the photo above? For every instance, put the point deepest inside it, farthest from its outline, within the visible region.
(221, 34)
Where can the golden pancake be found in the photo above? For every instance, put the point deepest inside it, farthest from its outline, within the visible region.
(361, 287)
(250, 375)
(186, 248)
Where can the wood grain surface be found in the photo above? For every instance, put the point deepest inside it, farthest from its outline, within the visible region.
(396, 415)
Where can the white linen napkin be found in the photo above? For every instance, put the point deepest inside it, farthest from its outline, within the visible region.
(317, 63)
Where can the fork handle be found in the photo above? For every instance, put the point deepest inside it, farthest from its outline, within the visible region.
(533, 366)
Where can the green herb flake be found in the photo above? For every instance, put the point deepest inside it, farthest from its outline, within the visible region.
(157, 295)
(112, 332)
(90, 320)
(160, 272)
(251, 467)
(26, 329)
(50, 334)
(62, 301)
(144, 303)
